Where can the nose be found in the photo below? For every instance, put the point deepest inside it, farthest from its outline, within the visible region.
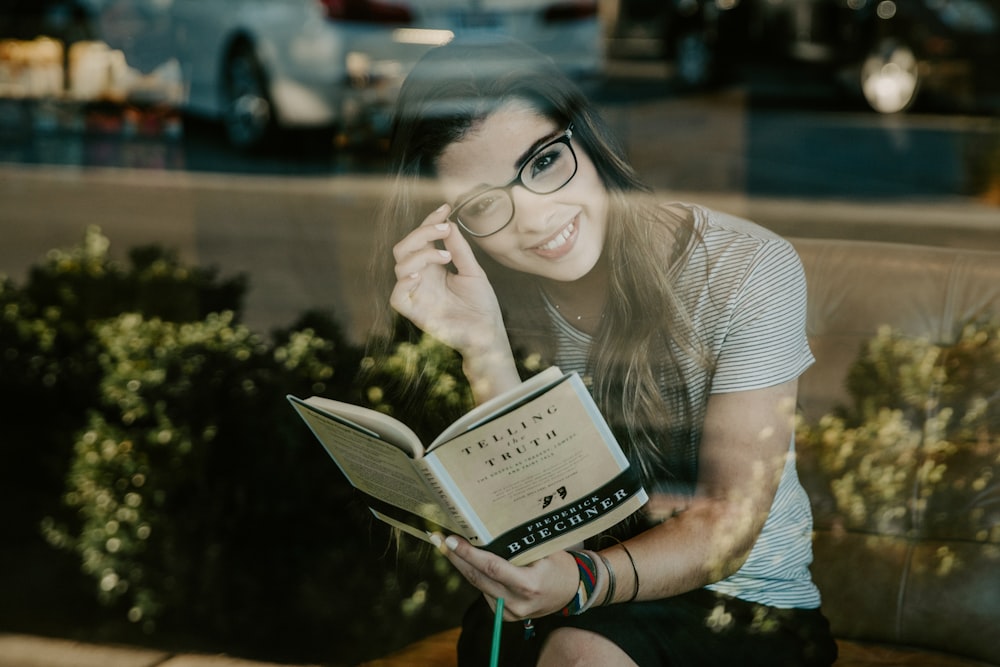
(532, 212)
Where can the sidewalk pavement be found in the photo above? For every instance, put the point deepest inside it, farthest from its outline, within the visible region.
(31, 651)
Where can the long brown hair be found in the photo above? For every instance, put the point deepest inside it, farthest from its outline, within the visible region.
(634, 358)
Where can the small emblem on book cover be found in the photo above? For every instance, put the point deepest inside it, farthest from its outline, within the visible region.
(547, 500)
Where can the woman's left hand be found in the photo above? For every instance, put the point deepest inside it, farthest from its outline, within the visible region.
(531, 591)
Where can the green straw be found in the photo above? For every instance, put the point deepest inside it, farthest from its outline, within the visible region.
(497, 626)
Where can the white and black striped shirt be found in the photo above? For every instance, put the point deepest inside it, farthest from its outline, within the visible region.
(744, 289)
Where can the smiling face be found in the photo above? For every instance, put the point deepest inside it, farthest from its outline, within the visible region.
(558, 236)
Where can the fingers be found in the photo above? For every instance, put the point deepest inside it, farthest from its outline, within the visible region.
(415, 254)
(543, 587)
(418, 249)
(492, 604)
(442, 290)
(487, 572)
(461, 254)
(491, 574)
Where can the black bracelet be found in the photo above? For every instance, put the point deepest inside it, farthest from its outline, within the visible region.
(635, 572)
(610, 595)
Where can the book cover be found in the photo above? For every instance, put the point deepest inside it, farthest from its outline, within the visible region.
(528, 473)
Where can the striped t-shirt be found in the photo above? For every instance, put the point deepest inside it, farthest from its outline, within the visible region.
(744, 289)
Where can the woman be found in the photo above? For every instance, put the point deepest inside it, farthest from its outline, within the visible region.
(687, 324)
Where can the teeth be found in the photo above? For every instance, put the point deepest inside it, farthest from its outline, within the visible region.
(560, 239)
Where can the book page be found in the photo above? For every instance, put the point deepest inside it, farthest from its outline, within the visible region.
(385, 427)
(377, 468)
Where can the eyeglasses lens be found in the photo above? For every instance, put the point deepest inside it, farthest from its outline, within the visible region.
(545, 172)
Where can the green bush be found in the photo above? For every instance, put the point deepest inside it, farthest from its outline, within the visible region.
(48, 370)
(437, 394)
(198, 503)
(421, 382)
(202, 502)
(921, 432)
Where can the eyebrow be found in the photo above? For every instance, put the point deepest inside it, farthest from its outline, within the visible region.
(534, 147)
(518, 163)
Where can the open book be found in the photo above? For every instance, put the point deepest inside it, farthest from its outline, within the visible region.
(524, 475)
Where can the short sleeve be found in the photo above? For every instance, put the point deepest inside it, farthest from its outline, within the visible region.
(765, 341)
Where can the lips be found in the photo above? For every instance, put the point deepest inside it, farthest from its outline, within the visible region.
(560, 243)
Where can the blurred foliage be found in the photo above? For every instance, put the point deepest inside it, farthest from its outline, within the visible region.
(419, 382)
(920, 438)
(196, 500)
(49, 373)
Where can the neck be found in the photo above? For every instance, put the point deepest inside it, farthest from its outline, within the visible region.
(581, 301)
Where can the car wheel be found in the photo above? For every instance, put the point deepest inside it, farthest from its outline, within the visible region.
(694, 60)
(890, 77)
(248, 115)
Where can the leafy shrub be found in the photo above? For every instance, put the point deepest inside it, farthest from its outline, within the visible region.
(200, 498)
(439, 393)
(922, 432)
(197, 502)
(421, 382)
(48, 370)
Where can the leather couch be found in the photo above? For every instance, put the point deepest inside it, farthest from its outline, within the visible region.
(922, 589)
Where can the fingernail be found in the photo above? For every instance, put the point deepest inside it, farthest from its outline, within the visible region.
(436, 540)
(451, 542)
(441, 208)
(445, 254)
(442, 226)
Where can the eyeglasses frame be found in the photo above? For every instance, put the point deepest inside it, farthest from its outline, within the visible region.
(564, 138)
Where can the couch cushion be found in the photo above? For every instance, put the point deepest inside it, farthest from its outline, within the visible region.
(857, 286)
(857, 654)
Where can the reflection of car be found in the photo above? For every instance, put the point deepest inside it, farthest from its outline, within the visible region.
(891, 49)
(262, 65)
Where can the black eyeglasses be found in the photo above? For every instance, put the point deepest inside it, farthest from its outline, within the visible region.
(548, 169)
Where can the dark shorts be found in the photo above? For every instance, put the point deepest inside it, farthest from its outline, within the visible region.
(697, 629)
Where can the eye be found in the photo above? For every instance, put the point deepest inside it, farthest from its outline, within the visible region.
(544, 161)
(483, 205)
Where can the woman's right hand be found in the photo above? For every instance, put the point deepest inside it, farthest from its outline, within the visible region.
(458, 307)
